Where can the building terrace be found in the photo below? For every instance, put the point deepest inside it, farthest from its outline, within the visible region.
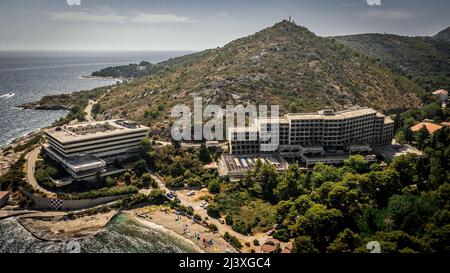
(85, 149)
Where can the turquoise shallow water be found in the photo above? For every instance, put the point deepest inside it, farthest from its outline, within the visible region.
(123, 234)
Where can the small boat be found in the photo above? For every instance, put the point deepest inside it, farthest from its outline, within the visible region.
(7, 96)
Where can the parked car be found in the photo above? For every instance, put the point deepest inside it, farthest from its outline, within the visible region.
(277, 226)
(271, 232)
(204, 204)
(191, 193)
(222, 221)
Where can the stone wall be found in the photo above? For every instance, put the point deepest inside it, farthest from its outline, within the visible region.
(54, 204)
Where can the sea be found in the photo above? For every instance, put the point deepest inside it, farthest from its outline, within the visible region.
(123, 234)
(29, 76)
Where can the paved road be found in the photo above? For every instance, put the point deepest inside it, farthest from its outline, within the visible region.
(31, 166)
(186, 201)
(88, 110)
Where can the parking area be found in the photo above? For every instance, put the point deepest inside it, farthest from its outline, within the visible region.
(236, 166)
(395, 150)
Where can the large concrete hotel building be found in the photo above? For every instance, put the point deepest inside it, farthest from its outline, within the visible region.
(86, 149)
(326, 136)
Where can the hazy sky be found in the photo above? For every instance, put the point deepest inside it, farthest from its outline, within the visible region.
(200, 24)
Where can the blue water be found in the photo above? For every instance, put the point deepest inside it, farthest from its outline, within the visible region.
(121, 235)
(32, 75)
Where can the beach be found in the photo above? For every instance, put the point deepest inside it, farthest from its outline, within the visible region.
(185, 227)
(162, 219)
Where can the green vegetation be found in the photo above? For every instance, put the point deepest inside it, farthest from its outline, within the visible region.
(232, 240)
(127, 183)
(28, 145)
(213, 228)
(145, 68)
(75, 103)
(104, 192)
(404, 205)
(179, 167)
(423, 59)
(255, 70)
(405, 120)
(14, 179)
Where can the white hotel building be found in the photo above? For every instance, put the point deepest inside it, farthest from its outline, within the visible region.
(326, 136)
(86, 149)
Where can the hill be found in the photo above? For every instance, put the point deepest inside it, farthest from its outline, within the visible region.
(284, 64)
(426, 60)
(444, 35)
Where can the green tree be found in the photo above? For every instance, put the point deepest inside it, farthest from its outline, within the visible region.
(356, 163)
(410, 213)
(431, 111)
(204, 154)
(294, 107)
(213, 211)
(127, 178)
(346, 241)
(214, 186)
(400, 137)
(267, 178)
(148, 180)
(304, 244)
(282, 235)
(437, 171)
(406, 167)
(140, 167)
(421, 137)
(290, 185)
(382, 185)
(320, 223)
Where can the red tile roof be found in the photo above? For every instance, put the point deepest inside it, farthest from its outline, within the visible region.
(440, 92)
(431, 127)
(3, 194)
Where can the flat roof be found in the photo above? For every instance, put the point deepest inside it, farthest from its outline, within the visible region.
(79, 162)
(345, 114)
(239, 163)
(273, 120)
(93, 130)
(243, 129)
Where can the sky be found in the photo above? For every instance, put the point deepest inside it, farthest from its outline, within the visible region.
(134, 25)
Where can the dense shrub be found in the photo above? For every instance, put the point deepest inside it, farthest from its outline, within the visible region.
(232, 240)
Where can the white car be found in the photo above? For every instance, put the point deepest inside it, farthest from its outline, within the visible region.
(203, 204)
(191, 193)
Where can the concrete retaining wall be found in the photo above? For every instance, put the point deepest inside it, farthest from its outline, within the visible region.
(41, 203)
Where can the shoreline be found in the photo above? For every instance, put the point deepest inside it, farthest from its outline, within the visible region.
(57, 229)
(183, 227)
(163, 229)
(90, 77)
(161, 219)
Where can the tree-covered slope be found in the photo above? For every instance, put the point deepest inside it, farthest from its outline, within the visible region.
(426, 60)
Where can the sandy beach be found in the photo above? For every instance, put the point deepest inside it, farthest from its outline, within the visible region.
(57, 228)
(204, 239)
